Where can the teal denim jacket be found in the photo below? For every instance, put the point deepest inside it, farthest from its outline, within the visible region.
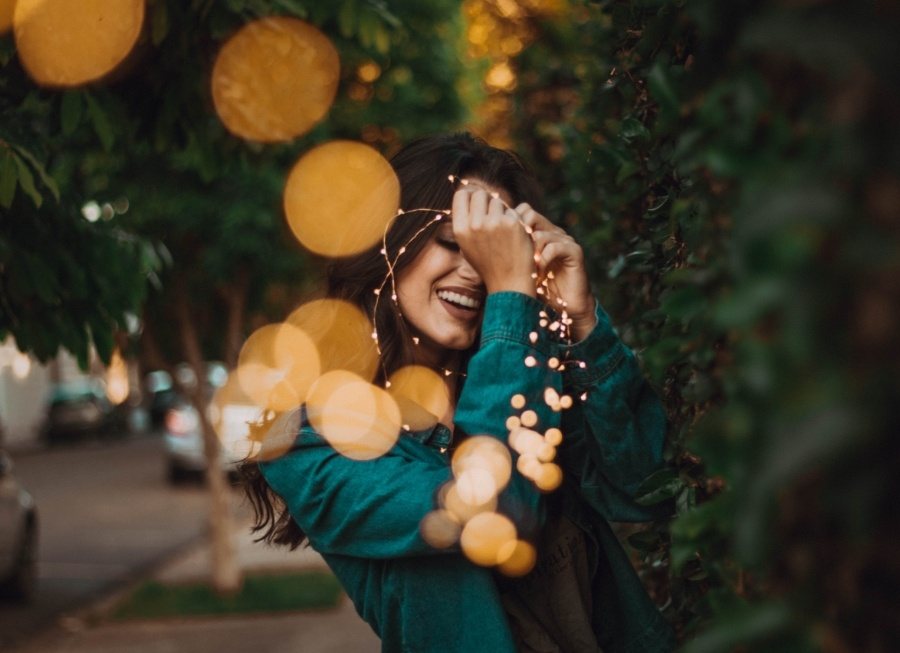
(363, 516)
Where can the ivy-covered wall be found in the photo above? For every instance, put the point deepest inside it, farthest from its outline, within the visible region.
(732, 170)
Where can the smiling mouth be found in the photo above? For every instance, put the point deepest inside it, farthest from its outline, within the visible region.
(459, 300)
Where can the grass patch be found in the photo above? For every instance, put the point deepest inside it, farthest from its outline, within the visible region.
(311, 590)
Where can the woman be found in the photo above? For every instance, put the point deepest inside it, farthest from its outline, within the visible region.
(467, 306)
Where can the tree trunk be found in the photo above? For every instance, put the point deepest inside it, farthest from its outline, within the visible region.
(226, 573)
(235, 298)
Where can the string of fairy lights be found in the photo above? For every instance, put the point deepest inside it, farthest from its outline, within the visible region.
(559, 323)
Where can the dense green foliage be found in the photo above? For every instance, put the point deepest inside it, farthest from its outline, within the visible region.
(64, 282)
(732, 171)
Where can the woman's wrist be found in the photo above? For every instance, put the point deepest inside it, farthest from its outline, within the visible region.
(526, 287)
(583, 322)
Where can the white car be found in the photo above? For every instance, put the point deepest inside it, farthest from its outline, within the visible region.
(183, 436)
(18, 536)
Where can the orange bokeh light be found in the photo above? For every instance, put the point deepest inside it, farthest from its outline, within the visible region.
(277, 365)
(6, 15)
(63, 45)
(342, 334)
(421, 394)
(274, 79)
(360, 420)
(440, 528)
(519, 558)
(487, 455)
(340, 197)
(485, 539)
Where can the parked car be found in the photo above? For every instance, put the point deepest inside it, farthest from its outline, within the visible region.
(182, 434)
(161, 396)
(80, 408)
(18, 536)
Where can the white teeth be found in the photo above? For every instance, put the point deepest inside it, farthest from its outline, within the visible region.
(456, 298)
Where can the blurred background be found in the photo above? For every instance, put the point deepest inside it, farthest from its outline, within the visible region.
(731, 170)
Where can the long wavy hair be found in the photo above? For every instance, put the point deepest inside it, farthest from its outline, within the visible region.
(424, 168)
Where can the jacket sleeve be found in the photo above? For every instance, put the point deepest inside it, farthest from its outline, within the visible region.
(361, 508)
(615, 437)
(373, 508)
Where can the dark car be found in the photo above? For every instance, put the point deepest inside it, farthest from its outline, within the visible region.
(18, 536)
(80, 408)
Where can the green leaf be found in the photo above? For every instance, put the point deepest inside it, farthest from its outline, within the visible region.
(661, 89)
(658, 487)
(632, 128)
(48, 181)
(101, 123)
(26, 181)
(8, 179)
(71, 112)
(627, 169)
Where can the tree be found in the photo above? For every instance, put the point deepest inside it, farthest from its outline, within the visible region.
(149, 137)
(64, 282)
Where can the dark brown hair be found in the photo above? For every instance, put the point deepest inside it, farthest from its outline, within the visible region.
(423, 167)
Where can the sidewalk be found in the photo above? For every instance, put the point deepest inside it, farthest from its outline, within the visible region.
(332, 631)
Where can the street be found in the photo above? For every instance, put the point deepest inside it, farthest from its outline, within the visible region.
(106, 512)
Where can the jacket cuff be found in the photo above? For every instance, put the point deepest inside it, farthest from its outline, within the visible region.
(515, 317)
(594, 358)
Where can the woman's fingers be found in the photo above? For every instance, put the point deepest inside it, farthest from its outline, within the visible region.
(535, 220)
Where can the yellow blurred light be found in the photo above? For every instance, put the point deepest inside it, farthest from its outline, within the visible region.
(554, 436)
(450, 498)
(117, 388)
(358, 419)
(549, 477)
(61, 44)
(528, 466)
(546, 452)
(440, 529)
(368, 72)
(231, 413)
(517, 401)
(508, 8)
(340, 197)
(528, 418)
(486, 454)
(526, 441)
(421, 394)
(6, 15)
(277, 365)
(476, 486)
(485, 535)
(511, 46)
(520, 557)
(478, 33)
(342, 335)
(274, 79)
(551, 397)
(501, 77)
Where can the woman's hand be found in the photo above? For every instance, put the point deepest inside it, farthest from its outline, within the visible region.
(560, 259)
(492, 240)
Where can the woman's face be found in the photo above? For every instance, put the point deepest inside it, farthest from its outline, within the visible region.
(442, 296)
